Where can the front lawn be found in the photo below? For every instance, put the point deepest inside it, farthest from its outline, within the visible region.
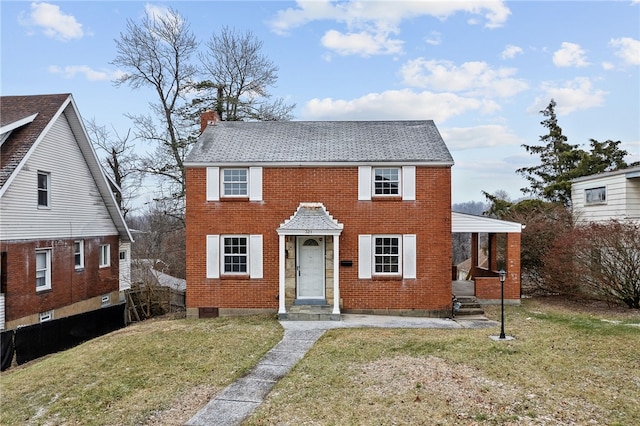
(155, 372)
(567, 365)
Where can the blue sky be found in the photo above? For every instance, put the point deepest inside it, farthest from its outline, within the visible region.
(482, 70)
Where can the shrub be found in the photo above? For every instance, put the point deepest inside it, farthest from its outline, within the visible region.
(599, 260)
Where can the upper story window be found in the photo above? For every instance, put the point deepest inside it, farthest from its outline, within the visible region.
(44, 189)
(386, 181)
(392, 182)
(105, 255)
(595, 195)
(239, 183)
(43, 270)
(235, 182)
(78, 254)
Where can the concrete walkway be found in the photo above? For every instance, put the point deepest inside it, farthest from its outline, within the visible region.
(238, 400)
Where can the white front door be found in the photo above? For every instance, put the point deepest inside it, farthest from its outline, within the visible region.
(310, 268)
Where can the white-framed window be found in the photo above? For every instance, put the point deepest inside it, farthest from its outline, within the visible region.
(43, 269)
(78, 254)
(387, 255)
(234, 182)
(595, 195)
(123, 255)
(387, 250)
(105, 255)
(386, 181)
(234, 255)
(46, 316)
(105, 300)
(44, 189)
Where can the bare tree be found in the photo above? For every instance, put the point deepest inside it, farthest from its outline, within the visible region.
(119, 161)
(240, 77)
(156, 53)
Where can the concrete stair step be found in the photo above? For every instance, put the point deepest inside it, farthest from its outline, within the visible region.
(469, 306)
(310, 313)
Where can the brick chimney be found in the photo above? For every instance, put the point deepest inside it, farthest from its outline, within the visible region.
(208, 118)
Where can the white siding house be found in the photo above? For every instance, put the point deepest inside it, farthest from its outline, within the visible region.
(64, 243)
(607, 196)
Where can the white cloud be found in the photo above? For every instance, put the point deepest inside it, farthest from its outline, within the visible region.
(627, 48)
(53, 22)
(362, 43)
(570, 55)
(608, 66)
(575, 95)
(370, 25)
(510, 51)
(396, 105)
(90, 74)
(472, 78)
(435, 38)
(490, 135)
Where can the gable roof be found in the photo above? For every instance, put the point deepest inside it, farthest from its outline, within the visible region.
(320, 142)
(24, 122)
(310, 219)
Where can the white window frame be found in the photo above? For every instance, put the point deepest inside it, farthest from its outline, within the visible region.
(215, 256)
(375, 255)
(224, 255)
(215, 183)
(46, 316)
(105, 300)
(46, 190)
(78, 251)
(224, 182)
(44, 272)
(599, 191)
(104, 256)
(374, 190)
(407, 266)
(406, 184)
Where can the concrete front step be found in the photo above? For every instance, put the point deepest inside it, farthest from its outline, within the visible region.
(310, 313)
(469, 306)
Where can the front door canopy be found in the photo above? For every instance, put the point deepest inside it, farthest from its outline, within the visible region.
(311, 219)
(461, 222)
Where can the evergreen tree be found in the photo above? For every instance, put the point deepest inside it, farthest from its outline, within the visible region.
(559, 161)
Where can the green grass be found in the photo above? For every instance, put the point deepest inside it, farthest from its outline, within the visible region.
(127, 376)
(565, 367)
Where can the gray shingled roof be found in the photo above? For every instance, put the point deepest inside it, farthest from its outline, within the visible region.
(311, 217)
(320, 142)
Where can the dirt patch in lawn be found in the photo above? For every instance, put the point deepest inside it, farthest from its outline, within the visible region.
(460, 394)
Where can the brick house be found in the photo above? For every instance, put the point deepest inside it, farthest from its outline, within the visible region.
(64, 244)
(353, 215)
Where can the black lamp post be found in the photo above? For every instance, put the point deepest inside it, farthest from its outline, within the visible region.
(503, 276)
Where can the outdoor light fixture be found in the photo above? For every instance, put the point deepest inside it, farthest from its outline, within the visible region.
(503, 276)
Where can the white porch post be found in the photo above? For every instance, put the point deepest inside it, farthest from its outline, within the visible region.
(336, 277)
(281, 297)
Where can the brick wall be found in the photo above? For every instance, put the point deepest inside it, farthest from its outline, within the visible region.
(429, 217)
(68, 286)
